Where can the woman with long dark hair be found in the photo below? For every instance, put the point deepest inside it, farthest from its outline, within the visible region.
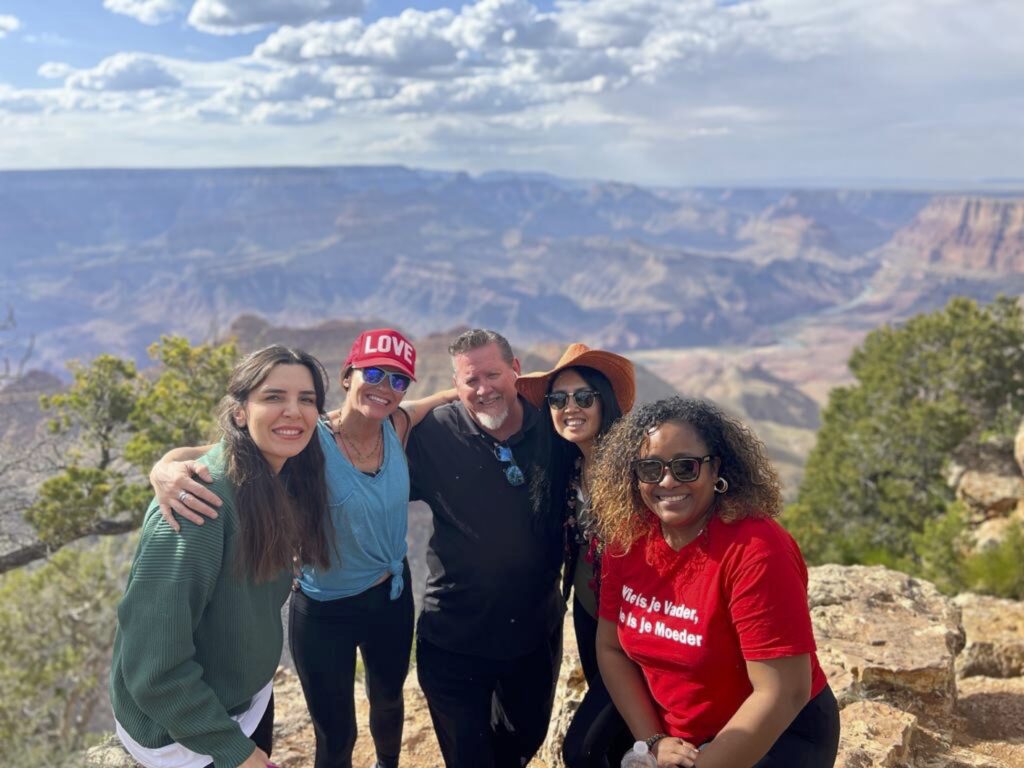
(585, 394)
(361, 600)
(199, 632)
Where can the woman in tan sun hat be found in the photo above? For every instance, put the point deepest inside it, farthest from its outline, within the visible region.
(585, 393)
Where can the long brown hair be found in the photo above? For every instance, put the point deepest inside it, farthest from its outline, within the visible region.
(280, 516)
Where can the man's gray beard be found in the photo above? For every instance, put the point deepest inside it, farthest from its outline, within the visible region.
(492, 421)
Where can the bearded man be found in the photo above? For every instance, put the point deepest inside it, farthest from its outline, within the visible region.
(489, 637)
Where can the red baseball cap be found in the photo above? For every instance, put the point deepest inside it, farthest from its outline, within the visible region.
(382, 346)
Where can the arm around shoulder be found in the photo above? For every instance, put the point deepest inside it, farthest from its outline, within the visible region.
(177, 489)
(416, 410)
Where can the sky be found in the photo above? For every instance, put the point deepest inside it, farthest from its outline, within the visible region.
(663, 92)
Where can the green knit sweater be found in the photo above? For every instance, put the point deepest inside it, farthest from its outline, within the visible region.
(194, 642)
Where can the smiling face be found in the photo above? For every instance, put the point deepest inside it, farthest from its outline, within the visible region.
(572, 423)
(280, 414)
(486, 384)
(681, 507)
(374, 401)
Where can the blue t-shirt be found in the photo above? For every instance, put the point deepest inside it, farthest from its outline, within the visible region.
(370, 516)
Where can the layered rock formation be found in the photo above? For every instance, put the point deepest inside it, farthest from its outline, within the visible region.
(970, 234)
(995, 632)
(890, 644)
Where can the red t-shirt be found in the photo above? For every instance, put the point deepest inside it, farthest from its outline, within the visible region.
(690, 619)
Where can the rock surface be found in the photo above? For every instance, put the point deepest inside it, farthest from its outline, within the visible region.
(995, 637)
(875, 734)
(889, 644)
(883, 634)
(967, 234)
(991, 493)
(987, 479)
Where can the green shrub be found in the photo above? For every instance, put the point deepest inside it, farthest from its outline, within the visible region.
(874, 488)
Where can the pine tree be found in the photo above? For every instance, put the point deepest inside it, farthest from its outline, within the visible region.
(940, 382)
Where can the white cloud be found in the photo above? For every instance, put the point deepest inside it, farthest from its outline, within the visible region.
(670, 89)
(293, 112)
(296, 85)
(404, 44)
(599, 45)
(55, 70)
(8, 24)
(507, 23)
(20, 102)
(124, 72)
(231, 17)
(311, 41)
(150, 12)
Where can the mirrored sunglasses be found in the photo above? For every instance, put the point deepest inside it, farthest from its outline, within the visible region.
(685, 469)
(399, 381)
(584, 398)
(513, 473)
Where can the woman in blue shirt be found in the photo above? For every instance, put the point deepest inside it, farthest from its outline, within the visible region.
(362, 599)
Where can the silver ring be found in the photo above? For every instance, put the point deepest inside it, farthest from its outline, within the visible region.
(183, 497)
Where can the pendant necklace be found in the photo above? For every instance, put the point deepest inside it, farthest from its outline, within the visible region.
(352, 450)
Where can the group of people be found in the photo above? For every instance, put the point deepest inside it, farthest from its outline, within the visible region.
(689, 600)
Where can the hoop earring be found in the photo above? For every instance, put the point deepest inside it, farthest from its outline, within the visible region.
(721, 485)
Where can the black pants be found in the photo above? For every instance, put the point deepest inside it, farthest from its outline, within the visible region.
(597, 737)
(811, 740)
(264, 733)
(489, 713)
(324, 637)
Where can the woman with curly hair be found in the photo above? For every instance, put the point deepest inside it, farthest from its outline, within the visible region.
(704, 636)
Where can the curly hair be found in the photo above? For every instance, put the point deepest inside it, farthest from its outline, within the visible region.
(753, 483)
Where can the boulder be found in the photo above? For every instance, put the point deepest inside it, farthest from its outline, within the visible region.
(995, 636)
(990, 494)
(882, 634)
(875, 735)
(986, 479)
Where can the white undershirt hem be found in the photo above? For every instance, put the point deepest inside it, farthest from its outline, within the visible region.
(176, 756)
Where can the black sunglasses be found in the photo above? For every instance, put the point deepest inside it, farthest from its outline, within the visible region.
(685, 469)
(399, 381)
(584, 398)
(513, 473)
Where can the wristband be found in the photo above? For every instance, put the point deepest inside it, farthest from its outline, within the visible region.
(652, 740)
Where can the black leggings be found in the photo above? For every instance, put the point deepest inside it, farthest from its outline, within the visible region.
(324, 636)
(264, 733)
(597, 737)
(811, 740)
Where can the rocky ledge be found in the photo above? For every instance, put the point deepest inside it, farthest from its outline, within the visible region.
(924, 681)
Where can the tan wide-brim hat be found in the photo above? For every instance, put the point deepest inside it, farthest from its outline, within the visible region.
(618, 370)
